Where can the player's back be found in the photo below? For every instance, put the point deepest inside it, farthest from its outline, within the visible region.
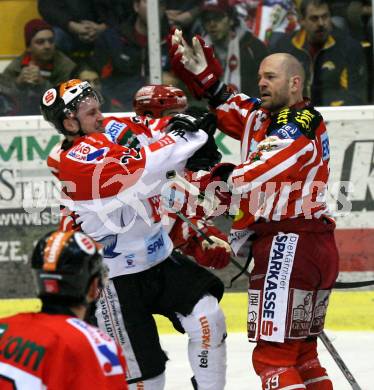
(54, 351)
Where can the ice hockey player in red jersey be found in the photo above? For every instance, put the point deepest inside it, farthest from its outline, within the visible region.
(154, 105)
(55, 349)
(282, 185)
(114, 191)
(160, 101)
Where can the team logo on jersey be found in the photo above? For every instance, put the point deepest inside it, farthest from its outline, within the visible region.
(86, 153)
(109, 243)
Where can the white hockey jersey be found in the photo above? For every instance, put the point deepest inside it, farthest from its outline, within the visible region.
(115, 192)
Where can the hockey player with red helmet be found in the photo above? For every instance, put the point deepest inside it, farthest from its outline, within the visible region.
(55, 349)
(282, 182)
(112, 183)
(158, 101)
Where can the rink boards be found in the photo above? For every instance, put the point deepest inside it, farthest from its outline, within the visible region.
(347, 311)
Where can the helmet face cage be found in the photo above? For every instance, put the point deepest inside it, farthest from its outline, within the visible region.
(64, 265)
(155, 99)
(63, 101)
(72, 107)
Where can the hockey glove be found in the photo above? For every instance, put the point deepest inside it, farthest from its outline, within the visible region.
(216, 255)
(195, 65)
(219, 174)
(183, 122)
(208, 155)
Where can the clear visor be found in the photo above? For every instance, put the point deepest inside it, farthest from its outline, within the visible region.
(92, 99)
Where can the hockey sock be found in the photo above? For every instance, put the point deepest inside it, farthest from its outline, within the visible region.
(315, 376)
(206, 329)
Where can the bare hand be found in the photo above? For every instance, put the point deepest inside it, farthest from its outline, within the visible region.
(30, 75)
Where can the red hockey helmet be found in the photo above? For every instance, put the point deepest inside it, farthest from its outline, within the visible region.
(153, 100)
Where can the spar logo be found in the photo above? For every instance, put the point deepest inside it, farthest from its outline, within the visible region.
(272, 284)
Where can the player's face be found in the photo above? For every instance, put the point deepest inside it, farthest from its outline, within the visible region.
(274, 84)
(90, 116)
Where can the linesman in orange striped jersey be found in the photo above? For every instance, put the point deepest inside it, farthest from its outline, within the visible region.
(282, 183)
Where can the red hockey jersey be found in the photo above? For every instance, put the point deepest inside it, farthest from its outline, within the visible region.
(115, 189)
(57, 352)
(285, 162)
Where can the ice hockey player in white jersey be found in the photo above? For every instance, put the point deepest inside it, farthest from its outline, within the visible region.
(112, 189)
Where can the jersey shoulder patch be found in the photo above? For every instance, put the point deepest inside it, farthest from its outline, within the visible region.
(114, 128)
(103, 346)
(292, 123)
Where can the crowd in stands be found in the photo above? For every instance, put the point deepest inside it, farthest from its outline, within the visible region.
(105, 42)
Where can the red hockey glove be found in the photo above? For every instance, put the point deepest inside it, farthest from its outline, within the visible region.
(216, 255)
(195, 65)
(218, 174)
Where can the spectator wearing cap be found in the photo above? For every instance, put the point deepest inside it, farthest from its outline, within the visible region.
(237, 49)
(38, 68)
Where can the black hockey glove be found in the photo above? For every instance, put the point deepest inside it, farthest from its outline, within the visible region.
(208, 155)
(183, 122)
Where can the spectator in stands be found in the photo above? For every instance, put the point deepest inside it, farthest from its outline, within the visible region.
(38, 68)
(334, 63)
(122, 55)
(78, 24)
(360, 19)
(183, 15)
(237, 49)
(85, 72)
(8, 101)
